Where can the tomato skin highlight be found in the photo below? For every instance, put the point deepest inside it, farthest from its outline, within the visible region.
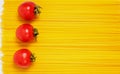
(26, 10)
(22, 58)
(25, 32)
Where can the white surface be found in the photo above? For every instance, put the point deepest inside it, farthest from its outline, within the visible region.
(1, 54)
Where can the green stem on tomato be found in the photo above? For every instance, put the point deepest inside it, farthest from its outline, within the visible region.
(35, 33)
(32, 58)
(37, 10)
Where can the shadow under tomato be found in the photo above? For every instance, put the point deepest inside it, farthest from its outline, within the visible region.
(24, 44)
(23, 21)
(22, 69)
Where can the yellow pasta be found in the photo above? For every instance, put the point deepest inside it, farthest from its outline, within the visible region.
(75, 37)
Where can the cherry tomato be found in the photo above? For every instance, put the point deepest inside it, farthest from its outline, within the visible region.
(28, 10)
(26, 33)
(23, 58)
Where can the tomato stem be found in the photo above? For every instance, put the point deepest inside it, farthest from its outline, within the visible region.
(37, 10)
(32, 58)
(35, 33)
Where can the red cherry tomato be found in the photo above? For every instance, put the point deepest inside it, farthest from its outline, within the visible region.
(23, 58)
(26, 32)
(28, 10)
